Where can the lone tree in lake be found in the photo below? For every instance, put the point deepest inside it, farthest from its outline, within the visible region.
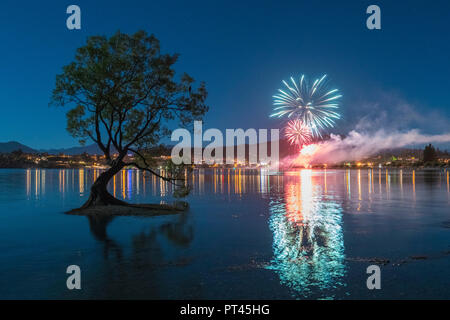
(122, 91)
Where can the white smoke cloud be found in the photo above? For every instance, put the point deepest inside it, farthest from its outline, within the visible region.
(383, 123)
(356, 145)
(373, 126)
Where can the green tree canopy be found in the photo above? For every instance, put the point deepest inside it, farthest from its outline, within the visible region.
(122, 92)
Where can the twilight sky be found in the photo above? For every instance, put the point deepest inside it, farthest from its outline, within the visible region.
(396, 77)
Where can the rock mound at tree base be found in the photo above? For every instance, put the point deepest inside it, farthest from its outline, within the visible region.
(132, 210)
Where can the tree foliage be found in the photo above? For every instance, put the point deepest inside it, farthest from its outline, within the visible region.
(123, 89)
(123, 92)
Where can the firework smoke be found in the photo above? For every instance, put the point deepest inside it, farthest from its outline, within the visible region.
(358, 146)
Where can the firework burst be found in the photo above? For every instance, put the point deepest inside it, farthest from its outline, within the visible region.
(312, 103)
(298, 133)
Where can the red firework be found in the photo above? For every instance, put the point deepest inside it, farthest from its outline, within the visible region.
(298, 133)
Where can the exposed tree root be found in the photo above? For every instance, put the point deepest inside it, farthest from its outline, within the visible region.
(101, 202)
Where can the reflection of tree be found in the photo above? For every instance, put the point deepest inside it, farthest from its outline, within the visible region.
(98, 226)
(178, 232)
(142, 268)
(146, 244)
(430, 178)
(308, 243)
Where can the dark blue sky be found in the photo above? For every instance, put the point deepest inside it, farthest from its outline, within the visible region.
(398, 76)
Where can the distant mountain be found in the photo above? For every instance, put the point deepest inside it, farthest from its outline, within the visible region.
(90, 149)
(8, 147)
(285, 150)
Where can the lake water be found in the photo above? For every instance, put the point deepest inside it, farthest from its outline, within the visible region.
(247, 235)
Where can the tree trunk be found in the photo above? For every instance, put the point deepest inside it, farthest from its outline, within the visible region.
(99, 194)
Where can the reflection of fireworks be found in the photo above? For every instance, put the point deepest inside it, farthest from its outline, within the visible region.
(297, 133)
(314, 104)
(308, 242)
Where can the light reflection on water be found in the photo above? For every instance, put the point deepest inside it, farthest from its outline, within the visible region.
(302, 225)
(361, 187)
(308, 242)
(131, 182)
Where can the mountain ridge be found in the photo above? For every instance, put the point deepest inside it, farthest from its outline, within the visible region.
(11, 146)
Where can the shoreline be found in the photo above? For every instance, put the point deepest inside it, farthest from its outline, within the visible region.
(144, 210)
(445, 167)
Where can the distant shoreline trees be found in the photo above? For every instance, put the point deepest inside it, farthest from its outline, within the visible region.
(429, 154)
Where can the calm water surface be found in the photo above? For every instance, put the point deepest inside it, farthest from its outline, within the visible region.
(301, 234)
